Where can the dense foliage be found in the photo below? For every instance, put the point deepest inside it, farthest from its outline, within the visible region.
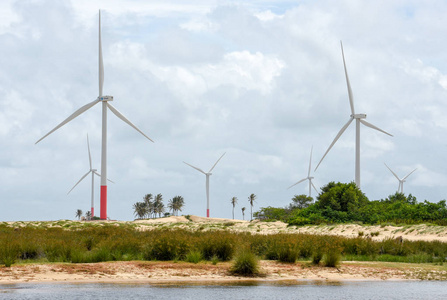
(344, 202)
(101, 242)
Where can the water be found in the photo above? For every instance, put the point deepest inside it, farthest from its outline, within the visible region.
(290, 290)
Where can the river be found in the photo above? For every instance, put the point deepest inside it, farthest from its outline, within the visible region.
(373, 290)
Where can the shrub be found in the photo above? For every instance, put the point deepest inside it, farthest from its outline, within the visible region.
(287, 253)
(169, 245)
(245, 264)
(193, 256)
(219, 245)
(332, 258)
(9, 251)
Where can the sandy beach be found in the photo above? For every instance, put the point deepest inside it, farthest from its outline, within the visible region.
(172, 272)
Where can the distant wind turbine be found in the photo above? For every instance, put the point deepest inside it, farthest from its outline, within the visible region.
(208, 174)
(308, 177)
(359, 118)
(400, 189)
(105, 104)
(94, 172)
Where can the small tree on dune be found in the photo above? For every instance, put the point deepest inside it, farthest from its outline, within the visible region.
(233, 202)
(176, 204)
(88, 215)
(147, 199)
(78, 214)
(251, 200)
(140, 209)
(243, 213)
(300, 201)
(159, 207)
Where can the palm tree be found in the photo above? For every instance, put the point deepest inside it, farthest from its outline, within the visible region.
(140, 209)
(176, 204)
(78, 214)
(233, 202)
(251, 200)
(243, 213)
(88, 215)
(159, 207)
(148, 202)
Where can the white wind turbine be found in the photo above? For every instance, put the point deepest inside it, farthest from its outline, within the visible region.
(208, 174)
(308, 177)
(94, 172)
(359, 118)
(400, 189)
(105, 104)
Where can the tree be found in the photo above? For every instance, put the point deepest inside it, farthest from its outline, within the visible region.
(233, 202)
(140, 209)
(78, 214)
(300, 201)
(251, 200)
(346, 197)
(159, 207)
(243, 213)
(176, 204)
(147, 199)
(88, 215)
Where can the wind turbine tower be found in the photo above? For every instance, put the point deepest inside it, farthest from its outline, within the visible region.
(94, 172)
(359, 118)
(105, 104)
(308, 177)
(207, 174)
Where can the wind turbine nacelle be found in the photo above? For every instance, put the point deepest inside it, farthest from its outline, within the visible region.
(105, 98)
(359, 116)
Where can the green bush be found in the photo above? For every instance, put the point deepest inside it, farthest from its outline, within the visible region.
(245, 264)
(9, 251)
(193, 256)
(287, 253)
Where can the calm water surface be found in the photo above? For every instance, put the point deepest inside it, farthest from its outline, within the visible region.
(290, 290)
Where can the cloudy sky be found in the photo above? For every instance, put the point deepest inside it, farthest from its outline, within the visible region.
(262, 81)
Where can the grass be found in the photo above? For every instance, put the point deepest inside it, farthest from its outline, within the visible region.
(110, 241)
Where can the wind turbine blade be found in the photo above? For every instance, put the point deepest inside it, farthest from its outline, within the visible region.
(409, 174)
(310, 161)
(335, 140)
(373, 127)
(71, 117)
(351, 98)
(297, 183)
(101, 64)
(395, 175)
(216, 163)
(120, 115)
(97, 174)
(200, 170)
(89, 156)
(314, 187)
(79, 181)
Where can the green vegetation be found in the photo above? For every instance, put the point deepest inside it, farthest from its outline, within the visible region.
(345, 203)
(245, 264)
(251, 200)
(96, 242)
(151, 206)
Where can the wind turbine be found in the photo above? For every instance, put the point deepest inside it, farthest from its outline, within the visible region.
(400, 189)
(105, 104)
(94, 172)
(208, 174)
(308, 177)
(359, 118)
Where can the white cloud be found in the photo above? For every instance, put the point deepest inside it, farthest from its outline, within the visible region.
(261, 80)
